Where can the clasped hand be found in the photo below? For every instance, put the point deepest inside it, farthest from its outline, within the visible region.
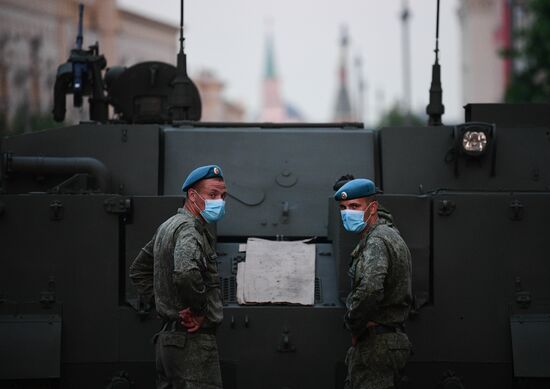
(191, 321)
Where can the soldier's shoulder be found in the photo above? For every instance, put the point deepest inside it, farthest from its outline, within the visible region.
(176, 224)
(373, 243)
(386, 232)
(187, 229)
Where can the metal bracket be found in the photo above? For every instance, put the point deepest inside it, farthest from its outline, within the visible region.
(420, 299)
(145, 306)
(229, 289)
(121, 380)
(57, 210)
(286, 179)
(76, 184)
(451, 380)
(235, 263)
(285, 213)
(48, 297)
(516, 210)
(446, 207)
(318, 291)
(6, 159)
(523, 297)
(118, 205)
(285, 346)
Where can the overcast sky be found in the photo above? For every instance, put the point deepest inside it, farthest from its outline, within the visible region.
(228, 37)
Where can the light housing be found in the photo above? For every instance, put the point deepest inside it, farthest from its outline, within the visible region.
(474, 142)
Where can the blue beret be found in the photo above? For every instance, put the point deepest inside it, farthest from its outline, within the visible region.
(201, 173)
(360, 187)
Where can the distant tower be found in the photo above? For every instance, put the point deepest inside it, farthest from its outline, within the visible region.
(360, 111)
(273, 108)
(342, 109)
(406, 47)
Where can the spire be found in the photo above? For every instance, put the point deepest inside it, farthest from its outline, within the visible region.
(270, 72)
(342, 110)
(272, 109)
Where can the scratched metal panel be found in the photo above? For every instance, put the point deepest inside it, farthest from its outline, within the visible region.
(270, 171)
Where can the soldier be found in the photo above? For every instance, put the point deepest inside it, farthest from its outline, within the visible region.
(178, 266)
(380, 298)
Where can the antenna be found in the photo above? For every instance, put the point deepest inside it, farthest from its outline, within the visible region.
(185, 101)
(435, 108)
(182, 38)
(79, 36)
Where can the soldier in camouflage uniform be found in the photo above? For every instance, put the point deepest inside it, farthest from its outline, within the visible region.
(178, 267)
(381, 297)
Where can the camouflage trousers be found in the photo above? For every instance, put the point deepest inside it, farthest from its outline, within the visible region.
(187, 361)
(377, 361)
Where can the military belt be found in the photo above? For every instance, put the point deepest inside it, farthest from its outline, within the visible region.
(382, 329)
(175, 325)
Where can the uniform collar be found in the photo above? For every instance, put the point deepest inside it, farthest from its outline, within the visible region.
(185, 212)
(364, 236)
(199, 223)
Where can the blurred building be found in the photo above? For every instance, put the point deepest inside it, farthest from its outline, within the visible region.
(215, 108)
(36, 36)
(487, 28)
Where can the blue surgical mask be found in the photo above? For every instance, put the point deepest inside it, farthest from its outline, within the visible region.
(214, 210)
(353, 220)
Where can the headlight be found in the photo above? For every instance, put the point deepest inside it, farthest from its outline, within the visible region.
(474, 142)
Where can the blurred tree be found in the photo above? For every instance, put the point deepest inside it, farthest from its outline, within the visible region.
(396, 116)
(24, 121)
(43, 121)
(3, 124)
(531, 82)
(20, 122)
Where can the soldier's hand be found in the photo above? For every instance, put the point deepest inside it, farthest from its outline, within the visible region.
(185, 316)
(191, 321)
(353, 340)
(371, 324)
(196, 323)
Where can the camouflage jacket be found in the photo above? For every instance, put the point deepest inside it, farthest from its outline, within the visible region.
(178, 266)
(380, 271)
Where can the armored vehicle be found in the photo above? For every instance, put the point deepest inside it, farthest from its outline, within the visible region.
(471, 200)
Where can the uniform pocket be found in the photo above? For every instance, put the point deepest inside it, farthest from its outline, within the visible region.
(208, 343)
(173, 339)
(399, 349)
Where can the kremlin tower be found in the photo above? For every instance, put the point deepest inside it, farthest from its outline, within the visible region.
(342, 109)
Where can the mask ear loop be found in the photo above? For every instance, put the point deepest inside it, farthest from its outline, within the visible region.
(367, 221)
(195, 204)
